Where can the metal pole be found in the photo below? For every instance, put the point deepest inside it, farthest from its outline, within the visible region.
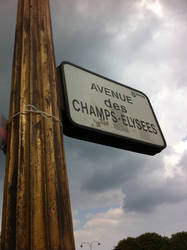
(36, 208)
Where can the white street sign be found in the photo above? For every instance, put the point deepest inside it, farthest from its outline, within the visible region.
(100, 104)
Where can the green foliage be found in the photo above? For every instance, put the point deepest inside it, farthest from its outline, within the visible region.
(153, 241)
(127, 244)
(166, 245)
(179, 241)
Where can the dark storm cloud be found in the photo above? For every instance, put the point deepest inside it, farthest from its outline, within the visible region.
(79, 37)
(91, 151)
(146, 199)
(147, 192)
(140, 177)
(104, 180)
(114, 173)
(86, 33)
(94, 170)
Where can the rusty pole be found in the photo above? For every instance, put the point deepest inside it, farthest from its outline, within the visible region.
(36, 209)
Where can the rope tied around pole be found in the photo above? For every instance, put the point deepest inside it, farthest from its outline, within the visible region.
(32, 109)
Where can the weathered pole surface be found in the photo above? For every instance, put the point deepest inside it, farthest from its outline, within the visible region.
(36, 209)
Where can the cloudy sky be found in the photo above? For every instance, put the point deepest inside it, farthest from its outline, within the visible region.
(141, 43)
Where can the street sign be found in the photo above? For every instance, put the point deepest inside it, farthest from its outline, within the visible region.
(101, 110)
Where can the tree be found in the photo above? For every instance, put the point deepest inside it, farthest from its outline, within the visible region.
(150, 241)
(166, 244)
(153, 241)
(179, 241)
(127, 244)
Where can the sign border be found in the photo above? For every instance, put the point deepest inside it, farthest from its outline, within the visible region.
(75, 130)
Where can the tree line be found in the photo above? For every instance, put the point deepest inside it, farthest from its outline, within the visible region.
(154, 241)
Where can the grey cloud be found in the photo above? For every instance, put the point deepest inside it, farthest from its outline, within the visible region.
(94, 169)
(105, 180)
(147, 199)
(183, 163)
(88, 37)
(93, 152)
(84, 160)
(139, 177)
(177, 7)
(119, 169)
(149, 191)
